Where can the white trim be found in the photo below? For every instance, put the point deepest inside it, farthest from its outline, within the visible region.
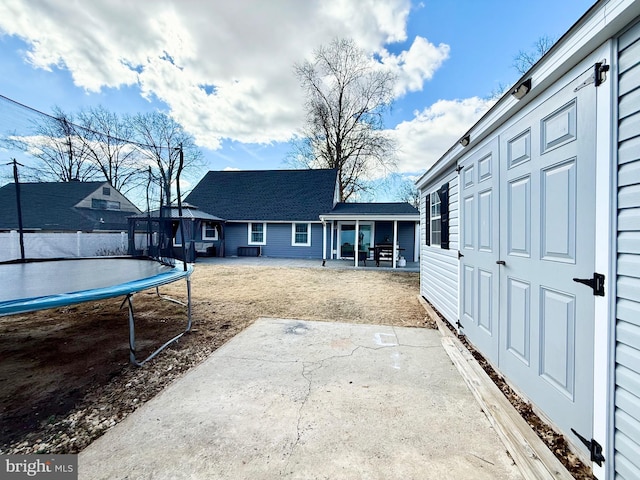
(371, 218)
(273, 221)
(204, 230)
(293, 234)
(605, 245)
(264, 233)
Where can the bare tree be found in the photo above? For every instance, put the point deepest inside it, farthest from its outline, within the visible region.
(347, 93)
(160, 138)
(523, 61)
(58, 148)
(408, 192)
(107, 142)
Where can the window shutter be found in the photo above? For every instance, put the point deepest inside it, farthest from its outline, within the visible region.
(427, 209)
(444, 216)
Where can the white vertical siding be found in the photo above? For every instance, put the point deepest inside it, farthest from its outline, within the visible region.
(439, 267)
(627, 354)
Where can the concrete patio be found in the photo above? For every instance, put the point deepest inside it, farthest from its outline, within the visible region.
(309, 400)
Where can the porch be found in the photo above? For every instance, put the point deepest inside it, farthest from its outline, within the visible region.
(380, 234)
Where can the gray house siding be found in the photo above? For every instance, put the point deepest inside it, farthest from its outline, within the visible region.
(235, 235)
(438, 266)
(627, 332)
(406, 239)
(278, 242)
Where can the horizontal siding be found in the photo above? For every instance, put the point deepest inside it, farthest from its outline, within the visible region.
(278, 241)
(627, 333)
(438, 267)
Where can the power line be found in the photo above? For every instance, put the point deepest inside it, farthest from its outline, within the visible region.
(15, 103)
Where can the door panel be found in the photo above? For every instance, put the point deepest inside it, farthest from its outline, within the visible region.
(480, 249)
(546, 318)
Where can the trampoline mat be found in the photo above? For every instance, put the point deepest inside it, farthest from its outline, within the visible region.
(46, 284)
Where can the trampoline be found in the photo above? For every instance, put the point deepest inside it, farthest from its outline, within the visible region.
(30, 285)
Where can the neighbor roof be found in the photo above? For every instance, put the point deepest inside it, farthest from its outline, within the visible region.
(266, 195)
(50, 206)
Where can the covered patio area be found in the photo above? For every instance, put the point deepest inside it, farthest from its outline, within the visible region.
(379, 234)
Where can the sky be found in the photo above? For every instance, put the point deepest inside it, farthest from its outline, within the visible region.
(224, 69)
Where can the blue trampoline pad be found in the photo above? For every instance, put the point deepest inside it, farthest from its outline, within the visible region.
(37, 285)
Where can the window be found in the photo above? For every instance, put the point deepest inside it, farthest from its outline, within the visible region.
(435, 225)
(301, 234)
(106, 191)
(209, 231)
(257, 234)
(99, 204)
(437, 217)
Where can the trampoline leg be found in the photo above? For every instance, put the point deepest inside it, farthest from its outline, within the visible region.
(188, 304)
(132, 333)
(132, 327)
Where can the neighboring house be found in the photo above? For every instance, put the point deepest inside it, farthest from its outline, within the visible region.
(295, 214)
(65, 207)
(67, 219)
(204, 233)
(531, 236)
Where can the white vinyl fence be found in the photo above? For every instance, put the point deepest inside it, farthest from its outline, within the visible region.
(56, 245)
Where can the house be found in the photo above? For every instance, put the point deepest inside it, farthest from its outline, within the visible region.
(295, 214)
(63, 219)
(65, 207)
(531, 237)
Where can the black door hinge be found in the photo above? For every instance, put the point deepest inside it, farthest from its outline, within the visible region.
(459, 325)
(595, 449)
(596, 283)
(458, 168)
(598, 77)
(600, 70)
(460, 255)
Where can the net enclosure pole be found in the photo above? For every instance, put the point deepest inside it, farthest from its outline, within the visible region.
(19, 208)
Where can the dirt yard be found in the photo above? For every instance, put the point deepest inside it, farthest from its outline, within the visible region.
(65, 376)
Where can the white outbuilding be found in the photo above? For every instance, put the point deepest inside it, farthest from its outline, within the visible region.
(530, 241)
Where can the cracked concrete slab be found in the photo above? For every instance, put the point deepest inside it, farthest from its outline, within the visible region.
(309, 400)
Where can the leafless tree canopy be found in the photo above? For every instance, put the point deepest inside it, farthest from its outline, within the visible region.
(103, 134)
(346, 96)
(97, 144)
(161, 136)
(61, 153)
(525, 60)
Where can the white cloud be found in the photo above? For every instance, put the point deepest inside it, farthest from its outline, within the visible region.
(432, 131)
(223, 68)
(416, 65)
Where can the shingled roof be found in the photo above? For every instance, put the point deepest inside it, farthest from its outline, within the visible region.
(393, 208)
(52, 206)
(266, 195)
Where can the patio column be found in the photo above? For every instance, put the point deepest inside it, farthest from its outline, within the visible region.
(356, 247)
(416, 247)
(324, 241)
(395, 243)
(332, 245)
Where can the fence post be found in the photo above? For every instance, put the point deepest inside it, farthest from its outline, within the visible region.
(124, 241)
(78, 243)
